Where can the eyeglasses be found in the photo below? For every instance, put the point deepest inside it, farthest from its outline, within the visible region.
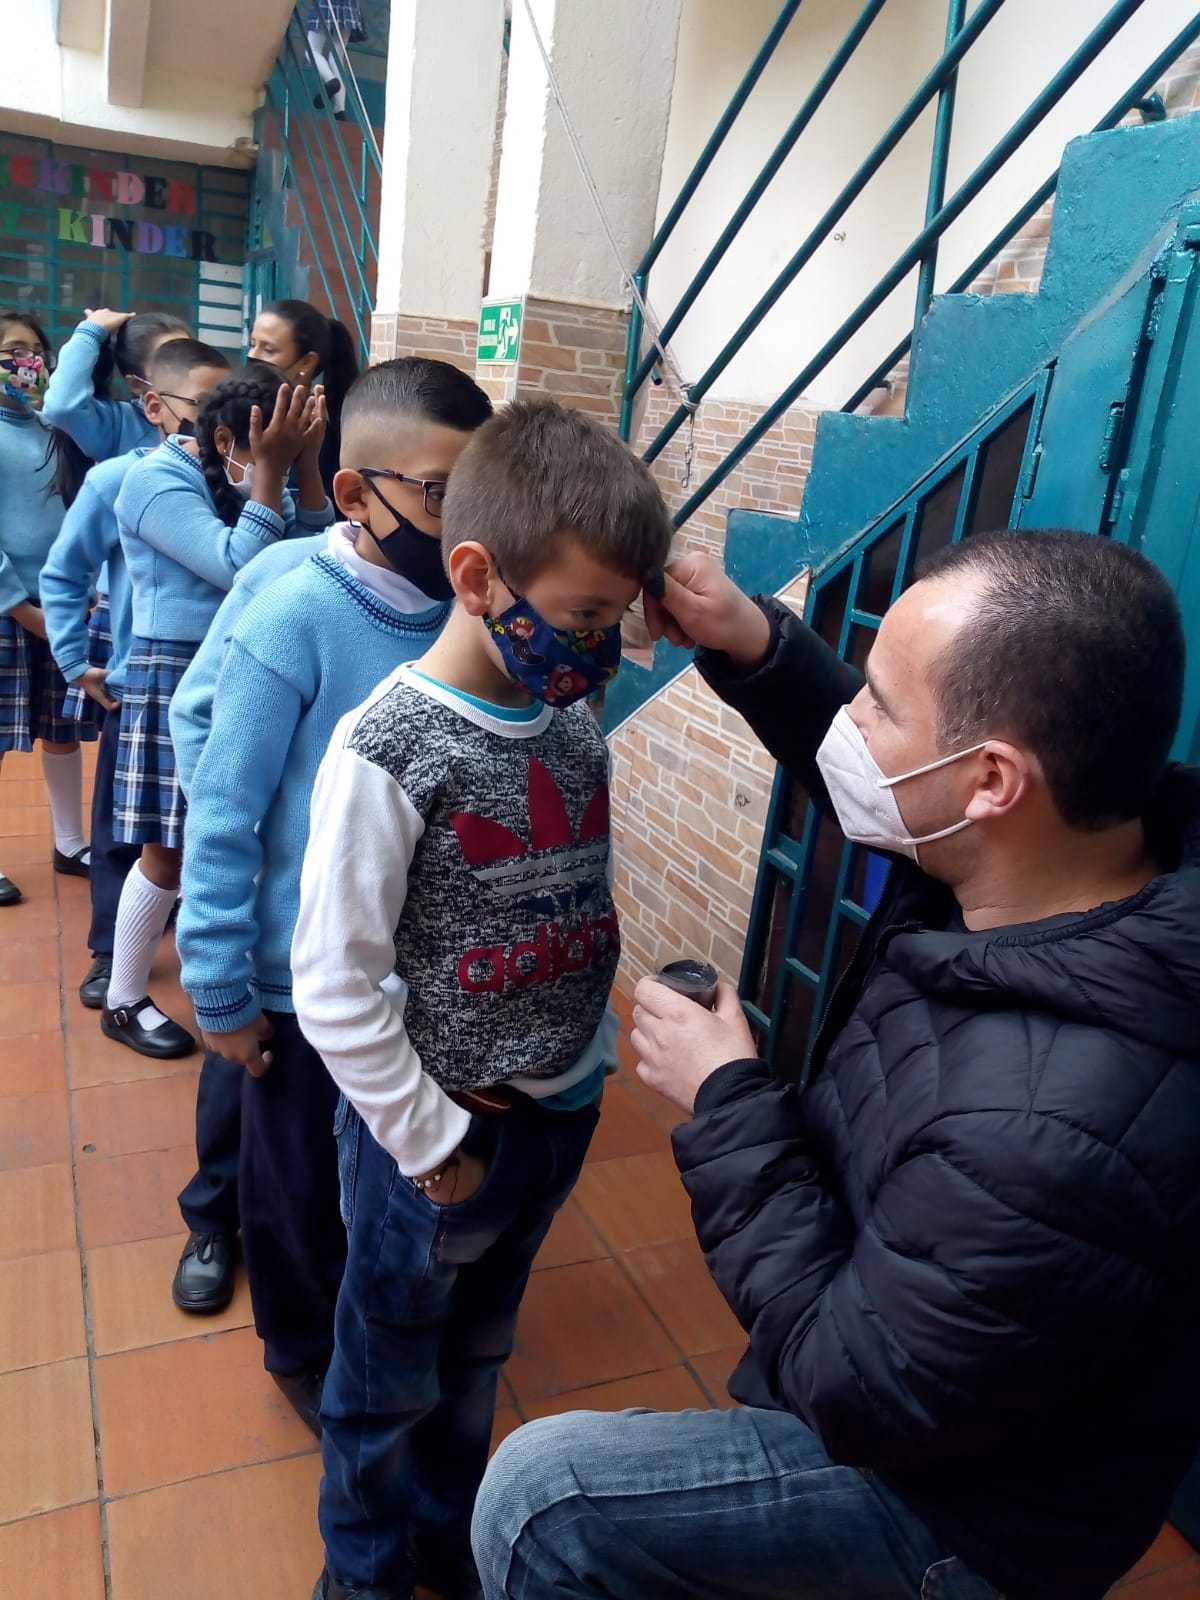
(184, 399)
(22, 352)
(433, 490)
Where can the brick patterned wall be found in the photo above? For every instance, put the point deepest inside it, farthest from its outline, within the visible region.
(575, 354)
(440, 338)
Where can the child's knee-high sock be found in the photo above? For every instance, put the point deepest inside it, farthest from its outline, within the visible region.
(64, 785)
(322, 53)
(141, 921)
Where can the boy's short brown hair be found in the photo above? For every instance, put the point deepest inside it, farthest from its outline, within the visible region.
(537, 473)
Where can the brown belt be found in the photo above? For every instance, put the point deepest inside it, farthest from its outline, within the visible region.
(496, 1101)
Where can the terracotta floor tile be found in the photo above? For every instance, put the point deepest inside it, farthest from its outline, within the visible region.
(624, 1128)
(49, 1454)
(21, 791)
(667, 1116)
(636, 1200)
(21, 848)
(41, 1310)
(248, 1532)
(37, 1210)
(571, 1238)
(713, 1371)
(56, 1556)
(32, 1065)
(1181, 1582)
(622, 1004)
(134, 1197)
(581, 1325)
(183, 1410)
(35, 1130)
(21, 960)
(117, 1119)
(16, 820)
(131, 1297)
(39, 881)
(30, 1007)
(94, 1060)
(675, 1280)
(1169, 1548)
(36, 917)
(672, 1389)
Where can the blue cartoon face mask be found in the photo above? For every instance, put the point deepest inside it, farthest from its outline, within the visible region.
(556, 665)
(26, 377)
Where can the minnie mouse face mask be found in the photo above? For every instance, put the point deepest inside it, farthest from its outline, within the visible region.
(26, 376)
(557, 665)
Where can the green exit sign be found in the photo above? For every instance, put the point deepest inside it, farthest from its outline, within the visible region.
(499, 330)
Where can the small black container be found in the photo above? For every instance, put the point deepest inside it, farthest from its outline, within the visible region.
(696, 979)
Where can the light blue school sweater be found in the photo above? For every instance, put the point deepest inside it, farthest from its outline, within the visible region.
(190, 714)
(88, 539)
(309, 649)
(182, 558)
(29, 517)
(100, 427)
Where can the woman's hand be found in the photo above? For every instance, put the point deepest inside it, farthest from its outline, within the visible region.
(699, 605)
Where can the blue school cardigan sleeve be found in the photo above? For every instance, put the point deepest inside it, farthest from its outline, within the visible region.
(100, 427)
(85, 541)
(179, 522)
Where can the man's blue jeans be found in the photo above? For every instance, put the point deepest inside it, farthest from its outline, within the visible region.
(425, 1320)
(698, 1505)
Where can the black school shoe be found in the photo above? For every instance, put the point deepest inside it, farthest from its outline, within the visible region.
(10, 895)
(303, 1392)
(164, 1043)
(76, 866)
(330, 1589)
(205, 1275)
(93, 991)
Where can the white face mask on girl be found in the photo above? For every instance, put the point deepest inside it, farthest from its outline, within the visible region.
(244, 482)
(864, 797)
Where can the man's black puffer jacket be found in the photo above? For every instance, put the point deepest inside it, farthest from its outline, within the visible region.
(968, 1256)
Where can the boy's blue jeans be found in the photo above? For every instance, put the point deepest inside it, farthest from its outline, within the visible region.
(425, 1320)
(698, 1505)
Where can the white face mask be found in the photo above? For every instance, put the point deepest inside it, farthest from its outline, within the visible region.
(864, 797)
(244, 482)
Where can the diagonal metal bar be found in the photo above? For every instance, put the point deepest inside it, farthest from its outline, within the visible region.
(1098, 40)
(921, 97)
(939, 160)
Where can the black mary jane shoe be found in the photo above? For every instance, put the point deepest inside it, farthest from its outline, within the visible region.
(206, 1273)
(76, 866)
(165, 1043)
(303, 1392)
(93, 991)
(10, 895)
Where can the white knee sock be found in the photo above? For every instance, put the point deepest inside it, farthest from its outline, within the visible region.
(64, 785)
(321, 46)
(141, 920)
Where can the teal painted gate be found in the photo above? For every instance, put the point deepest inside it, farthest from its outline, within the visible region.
(1072, 408)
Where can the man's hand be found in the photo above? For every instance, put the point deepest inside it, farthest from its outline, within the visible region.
(679, 1044)
(243, 1045)
(701, 606)
(92, 684)
(110, 321)
(30, 617)
(460, 1183)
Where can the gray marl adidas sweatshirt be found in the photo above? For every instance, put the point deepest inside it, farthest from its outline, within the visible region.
(456, 923)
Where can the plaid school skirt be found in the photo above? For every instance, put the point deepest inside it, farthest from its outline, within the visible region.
(32, 693)
(79, 705)
(148, 804)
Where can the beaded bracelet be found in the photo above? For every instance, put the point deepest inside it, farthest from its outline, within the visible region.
(434, 1178)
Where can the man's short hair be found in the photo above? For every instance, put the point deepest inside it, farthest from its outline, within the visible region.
(1075, 648)
(178, 357)
(409, 388)
(539, 473)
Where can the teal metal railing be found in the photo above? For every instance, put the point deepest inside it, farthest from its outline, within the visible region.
(333, 170)
(938, 86)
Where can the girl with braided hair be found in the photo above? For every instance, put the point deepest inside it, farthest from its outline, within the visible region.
(191, 515)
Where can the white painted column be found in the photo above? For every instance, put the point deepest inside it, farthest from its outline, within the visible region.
(443, 79)
(615, 64)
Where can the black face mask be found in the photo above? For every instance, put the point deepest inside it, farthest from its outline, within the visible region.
(414, 555)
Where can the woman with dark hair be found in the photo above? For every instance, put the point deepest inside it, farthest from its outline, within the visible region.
(308, 346)
(32, 689)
